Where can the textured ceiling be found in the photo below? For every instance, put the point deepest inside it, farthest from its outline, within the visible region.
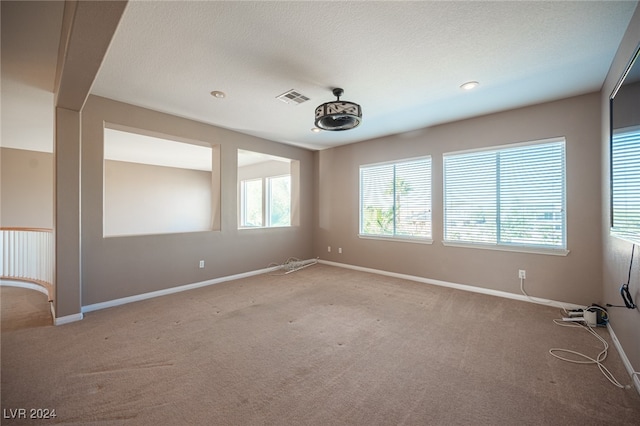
(402, 61)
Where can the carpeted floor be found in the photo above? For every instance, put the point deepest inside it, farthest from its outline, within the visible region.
(23, 308)
(321, 346)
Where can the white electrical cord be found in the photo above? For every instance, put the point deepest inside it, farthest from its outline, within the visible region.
(535, 300)
(587, 359)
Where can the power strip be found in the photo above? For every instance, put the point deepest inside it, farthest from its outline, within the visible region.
(573, 319)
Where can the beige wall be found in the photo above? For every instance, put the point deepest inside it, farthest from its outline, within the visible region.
(617, 253)
(27, 188)
(572, 278)
(145, 199)
(67, 217)
(118, 267)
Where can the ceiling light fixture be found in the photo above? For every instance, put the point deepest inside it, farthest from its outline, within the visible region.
(218, 94)
(316, 130)
(338, 115)
(469, 85)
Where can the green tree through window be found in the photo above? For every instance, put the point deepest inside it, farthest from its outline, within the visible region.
(395, 199)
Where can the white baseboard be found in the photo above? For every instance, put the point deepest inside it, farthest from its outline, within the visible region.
(67, 319)
(144, 296)
(463, 287)
(625, 360)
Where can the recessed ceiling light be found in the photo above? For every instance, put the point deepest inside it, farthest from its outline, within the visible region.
(469, 85)
(316, 130)
(218, 94)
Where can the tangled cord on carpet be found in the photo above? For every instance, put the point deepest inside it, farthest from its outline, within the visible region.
(585, 359)
(582, 358)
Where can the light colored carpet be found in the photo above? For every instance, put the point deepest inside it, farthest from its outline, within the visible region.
(23, 308)
(321, 346)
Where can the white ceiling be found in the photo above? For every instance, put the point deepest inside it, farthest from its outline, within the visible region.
(402, 61)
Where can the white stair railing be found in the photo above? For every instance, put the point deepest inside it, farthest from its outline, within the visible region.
(27, 254)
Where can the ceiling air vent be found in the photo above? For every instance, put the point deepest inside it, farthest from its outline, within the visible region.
(292, 97)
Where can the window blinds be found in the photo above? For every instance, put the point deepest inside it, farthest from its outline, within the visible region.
(625, 185)
(395, 199)
(512, 196)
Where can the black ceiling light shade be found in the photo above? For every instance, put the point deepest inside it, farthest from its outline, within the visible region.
(338, 115)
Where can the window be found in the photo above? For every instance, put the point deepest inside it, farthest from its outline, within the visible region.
(625, 184)
(251, 202)
(265, 190)
(277, 207)
(512, 197)
(395, 199)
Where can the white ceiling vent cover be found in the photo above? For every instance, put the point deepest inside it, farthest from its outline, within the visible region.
(292, 97)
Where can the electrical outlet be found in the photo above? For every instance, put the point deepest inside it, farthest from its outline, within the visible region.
(201, 265)
(329, 249)
(522, 274)
(340, 250)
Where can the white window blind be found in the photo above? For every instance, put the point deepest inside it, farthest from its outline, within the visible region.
(395, 199)
(625, 185)
(514, 196)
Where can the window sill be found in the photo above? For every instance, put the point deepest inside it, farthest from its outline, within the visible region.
(250, 228)
(397, 239)
(517, 249)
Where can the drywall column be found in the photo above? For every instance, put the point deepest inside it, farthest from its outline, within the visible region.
(67, 216)
(87, 30)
